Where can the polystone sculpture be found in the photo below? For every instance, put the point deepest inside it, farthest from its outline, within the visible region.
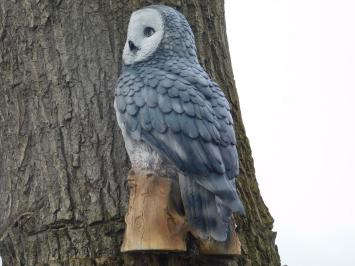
(179, 135)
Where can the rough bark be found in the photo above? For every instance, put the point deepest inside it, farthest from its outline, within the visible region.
(63, 166)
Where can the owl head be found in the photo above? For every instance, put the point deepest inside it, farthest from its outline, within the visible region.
(158, 31)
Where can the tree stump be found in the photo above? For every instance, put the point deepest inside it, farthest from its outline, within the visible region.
(152, 220)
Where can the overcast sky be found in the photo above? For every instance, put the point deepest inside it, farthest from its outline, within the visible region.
(294, 65)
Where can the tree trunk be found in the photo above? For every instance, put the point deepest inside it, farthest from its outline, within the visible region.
(63, 165)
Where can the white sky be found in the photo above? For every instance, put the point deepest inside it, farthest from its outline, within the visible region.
(294, 65)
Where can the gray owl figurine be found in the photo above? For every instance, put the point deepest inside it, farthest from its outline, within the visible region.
(172, 115)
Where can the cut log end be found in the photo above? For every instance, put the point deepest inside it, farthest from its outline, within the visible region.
(152, 222)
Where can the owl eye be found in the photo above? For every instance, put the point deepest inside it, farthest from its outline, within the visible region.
(148, 31)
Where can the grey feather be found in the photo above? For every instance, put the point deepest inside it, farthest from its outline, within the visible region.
(173, 92)
(171, 120)
(189, 108)
(164, 103)
(184, 96)
(175, 103)
(130, 121)
(207, 113)
(132, 109)
(153, 82)
(144, 118)
(129, 99)
(198, 112)
(203, 131)
(121, 104)
(138, 99)
(151, 98)
(166, 83)
(158, 122)
(180, 85)
(188, 126)
(162, 90)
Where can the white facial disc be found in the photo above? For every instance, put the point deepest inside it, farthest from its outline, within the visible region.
(145, 32)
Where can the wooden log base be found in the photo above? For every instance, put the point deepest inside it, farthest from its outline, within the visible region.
(152, 222)
(231, 247)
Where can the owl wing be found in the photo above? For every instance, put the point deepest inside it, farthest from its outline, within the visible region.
(186, 118)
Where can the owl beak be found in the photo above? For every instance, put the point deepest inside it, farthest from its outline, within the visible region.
(132, 46)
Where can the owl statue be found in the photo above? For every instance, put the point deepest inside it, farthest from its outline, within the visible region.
(172, 115)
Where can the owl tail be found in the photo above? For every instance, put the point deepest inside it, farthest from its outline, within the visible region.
(207, 216)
